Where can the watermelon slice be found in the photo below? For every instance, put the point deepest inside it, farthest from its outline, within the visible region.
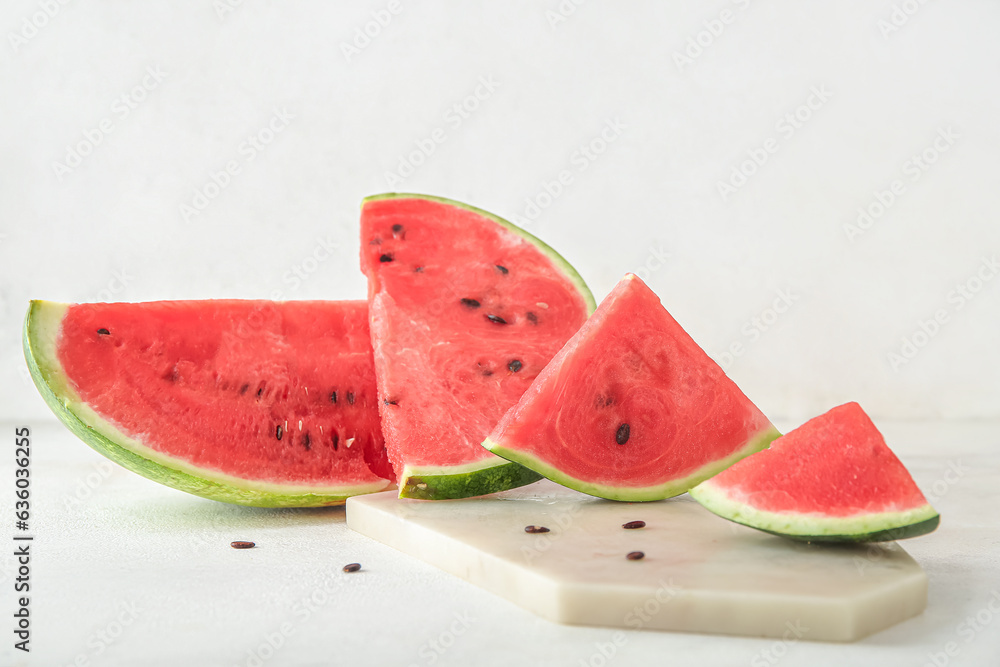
(833, 479)
(251, 402)
(631, 408)
(466, 309)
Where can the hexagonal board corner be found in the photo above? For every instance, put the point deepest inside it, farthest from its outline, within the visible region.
(699, 573)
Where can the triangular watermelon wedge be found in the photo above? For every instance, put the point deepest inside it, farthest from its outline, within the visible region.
(262, 403)
(466, 309)
(631, 408)
(833, 479)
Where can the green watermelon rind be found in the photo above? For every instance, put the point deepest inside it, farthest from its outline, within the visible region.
(808, 527)
(475, 479)
(486, 475)
(41, 329)
(556, 258)
(669, 489)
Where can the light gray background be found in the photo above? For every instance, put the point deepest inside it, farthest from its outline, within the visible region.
(112, 227)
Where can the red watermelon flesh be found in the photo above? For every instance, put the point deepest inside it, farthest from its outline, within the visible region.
(832, 479)
(466, 309)
(631, 408)
(247, 401)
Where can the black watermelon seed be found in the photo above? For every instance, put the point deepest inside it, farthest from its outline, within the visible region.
(635, 555)
(470, 303)
(536, 529)
(397, 228)
(391, 401)
(502, 269)
(103, 332)
(279, 431)
(242, 545)
(352, 567)
(350, 398)
(243, 389)
(333, 397)
(418, 269)
(260, 392)
(305, 441)
(514, 365)
(336, 440)
(532, 317)
(496, 319)
(487, 372)
(621, 437)
(386, 257)
(632, 525)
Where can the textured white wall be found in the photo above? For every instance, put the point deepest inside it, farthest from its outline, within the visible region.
(840, 103)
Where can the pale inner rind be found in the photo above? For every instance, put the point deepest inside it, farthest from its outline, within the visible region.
(720, 502)
(668, 489)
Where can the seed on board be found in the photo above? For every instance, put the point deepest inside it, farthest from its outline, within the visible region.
(635, 555)
(632, 525)
(103, 332)
(621, 436)
(470, 303)
(386, 257)
(352, 567)
(496, 319)
(242, 545)
(514, 365)
(278, 431)
(333, 397)
(350, 398)
(536, 529)
(502, 269)
(532, 317)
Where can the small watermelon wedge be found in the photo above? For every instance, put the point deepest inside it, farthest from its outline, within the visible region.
(631, 408)
(833, 479)
(260, 403)
(466, 309)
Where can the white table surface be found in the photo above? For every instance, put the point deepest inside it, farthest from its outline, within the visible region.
(128, 572)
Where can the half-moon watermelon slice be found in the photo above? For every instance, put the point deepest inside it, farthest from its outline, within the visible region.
(260, 403)
(466, 309)
(833, 479)
(631, 408)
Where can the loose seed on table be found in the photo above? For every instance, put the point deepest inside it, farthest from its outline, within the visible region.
(635, 555)
(352, 567)
(242, 545)
(631, 525)
(536, 529)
